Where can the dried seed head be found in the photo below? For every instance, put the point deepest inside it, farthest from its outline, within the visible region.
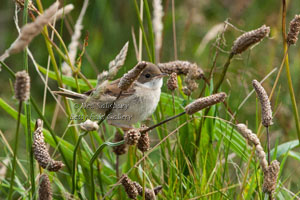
(270, 177)
(181, 67)
(22, 86)
(40, 150)
(204, 102)
(294, 30)
(121, 149)
(89, 125)
(253, 139)
(127, 80)
(191, 84)
(144, 142)
(45, 191)
(266, 110)
(186, 91)
(248, 39)
(129, 187)
(132, 136)
(149, 194)
(30, 30)
(172, 82)
(157, 189)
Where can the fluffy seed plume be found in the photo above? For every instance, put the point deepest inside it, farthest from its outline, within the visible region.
(114, 65)
(22, 86)
(204, 102)
(132, 136)
(62, 12)
(266, 110)
(181, 67)
(157, 25)
(250, 38)
(270, 177)
(45, 191)
(121, 149)
(40, 151)
(129, 187)
(172, 82)
(30, 30)
(127, 80)
(294, 30)
(253, 139)
(149, 194)
(73, 46)
(89, 125)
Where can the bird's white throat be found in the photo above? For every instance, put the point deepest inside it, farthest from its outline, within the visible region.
(153, 84)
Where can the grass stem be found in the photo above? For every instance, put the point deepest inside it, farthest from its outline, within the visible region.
(12, 177)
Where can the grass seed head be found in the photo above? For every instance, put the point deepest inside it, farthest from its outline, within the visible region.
(149, 194)
(128, 78)
(186, 91)
(22, 86)
(144, 142)
(129, 187)
(266, 110)
(132, 136)
(172, 82)
(270, 177)
(121, 149)
(294, 30)
(181, 67)
(248, 39)
(253, 139)
(40, 150)
(204, 102)
(45, 191)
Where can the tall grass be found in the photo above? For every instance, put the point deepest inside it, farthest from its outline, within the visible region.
(198, 156)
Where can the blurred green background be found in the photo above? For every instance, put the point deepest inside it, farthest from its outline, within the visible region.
(109, 23)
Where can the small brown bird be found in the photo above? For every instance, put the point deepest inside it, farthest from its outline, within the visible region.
(134, 105)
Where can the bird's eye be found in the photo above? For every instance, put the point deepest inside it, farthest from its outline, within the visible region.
(147, 75)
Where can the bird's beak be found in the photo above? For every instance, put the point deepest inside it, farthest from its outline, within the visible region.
(161, 75)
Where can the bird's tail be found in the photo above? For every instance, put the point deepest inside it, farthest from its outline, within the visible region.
(70, 94)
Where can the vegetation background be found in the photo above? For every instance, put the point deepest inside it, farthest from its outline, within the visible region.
(109, 24)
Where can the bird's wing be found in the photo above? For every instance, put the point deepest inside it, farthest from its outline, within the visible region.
(113, 90)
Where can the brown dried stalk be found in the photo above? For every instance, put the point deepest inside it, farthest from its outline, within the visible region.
(204, 102)
(144, 141)
(248, 39)
(40, 150)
